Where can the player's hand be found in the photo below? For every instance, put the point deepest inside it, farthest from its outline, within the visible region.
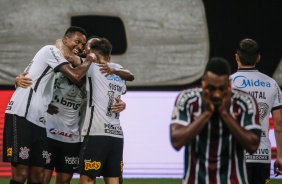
(206, 97)
(23, 81)
(226, 101)
(92, 57)
(277, 168)
(119, 106)
(105, 69)
(52, 109)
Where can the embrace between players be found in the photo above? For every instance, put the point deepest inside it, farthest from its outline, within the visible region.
(64, 116)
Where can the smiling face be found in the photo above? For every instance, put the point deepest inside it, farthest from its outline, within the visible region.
(75, 42)
(216, 85)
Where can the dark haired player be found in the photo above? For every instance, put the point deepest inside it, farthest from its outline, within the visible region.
(215, 124)
(24, 142)
(268, 95)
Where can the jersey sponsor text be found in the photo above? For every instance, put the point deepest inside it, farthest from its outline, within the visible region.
(243, 82)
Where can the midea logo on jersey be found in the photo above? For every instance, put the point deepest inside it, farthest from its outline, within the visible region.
(114, 78)
(67, 102)
(57, 132)
(243, 82)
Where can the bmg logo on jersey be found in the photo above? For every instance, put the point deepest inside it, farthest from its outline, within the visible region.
(67, 103)
(243, 82)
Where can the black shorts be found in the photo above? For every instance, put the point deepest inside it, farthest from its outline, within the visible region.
(258, 173)
(23, 142)
(101, 156)
(62, 156)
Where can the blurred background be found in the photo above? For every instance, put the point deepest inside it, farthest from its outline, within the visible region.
(165, 44)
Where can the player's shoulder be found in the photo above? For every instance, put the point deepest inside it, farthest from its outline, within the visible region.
(52, 49)
(115, 65)
(241, 95)
(192, 92)
(49, 47)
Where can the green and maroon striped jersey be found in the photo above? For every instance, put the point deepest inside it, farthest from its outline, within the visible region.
(214, 156)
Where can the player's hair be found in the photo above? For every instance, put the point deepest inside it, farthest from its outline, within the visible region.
(73, 29)
(218, 66)
(102, 46)
(248, 51)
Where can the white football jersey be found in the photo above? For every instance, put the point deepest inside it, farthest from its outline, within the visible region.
(268, 96)
(32, 102)
(101, 94)
(64, 126)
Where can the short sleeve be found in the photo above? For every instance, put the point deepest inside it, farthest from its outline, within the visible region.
(54, 57)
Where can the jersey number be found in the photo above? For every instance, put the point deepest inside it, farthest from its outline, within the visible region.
(111, 95)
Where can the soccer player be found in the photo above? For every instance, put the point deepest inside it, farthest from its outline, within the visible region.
(102, 148)
(63, 127)
(63, 121)
(268, 95)
(24, 142)
(215, 124)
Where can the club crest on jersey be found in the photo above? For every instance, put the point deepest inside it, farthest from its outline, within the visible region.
(24, 153)
(263, 108)
(82, 93)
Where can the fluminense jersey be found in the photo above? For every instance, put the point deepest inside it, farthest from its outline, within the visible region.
(214, 156)
(101, 94)
(32, 102)
(268, 95)
(64, 126)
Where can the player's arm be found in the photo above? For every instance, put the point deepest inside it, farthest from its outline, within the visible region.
(277, 119)
(52, 109)
(124, 74)
(247, 138)
(119, 106)
(23, 81)
(77, 73)
(69, 56)
(181, 135)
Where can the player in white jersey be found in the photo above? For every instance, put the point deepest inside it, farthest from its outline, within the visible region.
(102, 148)
(63, 120)
(24, 130)
(268, 95)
